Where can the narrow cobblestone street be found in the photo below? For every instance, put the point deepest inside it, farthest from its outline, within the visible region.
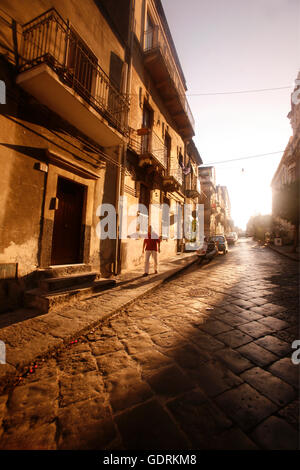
(202, 362)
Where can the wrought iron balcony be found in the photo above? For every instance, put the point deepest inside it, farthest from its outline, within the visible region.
(162, 67)
(193, 188)
(152, 145)
(173, 180)
(192, 193)
(49, 40)
(149, 147)
(176, 173)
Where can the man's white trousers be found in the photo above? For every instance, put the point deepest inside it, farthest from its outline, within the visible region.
(149, 253)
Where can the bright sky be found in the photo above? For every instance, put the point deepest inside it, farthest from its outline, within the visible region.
(238, 45)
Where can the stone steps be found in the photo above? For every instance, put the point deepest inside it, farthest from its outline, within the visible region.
(53, 284)
(46, 301)
(59, 285)
(63, 270)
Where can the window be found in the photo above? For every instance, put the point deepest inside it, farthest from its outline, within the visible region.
(116, 70)
(291, 173)
(144, 201)
(147, 124)
(82, 66)
(149, 33)
(167, 156)
(165, 219)
(283, 176)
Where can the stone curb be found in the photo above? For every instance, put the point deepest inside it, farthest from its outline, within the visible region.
(9, 373)
(287, 255)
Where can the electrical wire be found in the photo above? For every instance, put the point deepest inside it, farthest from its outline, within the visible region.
(259, 90)
(243, 158)
(110, 160)
(240, 91)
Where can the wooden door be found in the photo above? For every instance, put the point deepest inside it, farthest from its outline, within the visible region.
(67, 231)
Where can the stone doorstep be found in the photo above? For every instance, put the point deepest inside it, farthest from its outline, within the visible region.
(59, 284)
(8, 373)
(47, 301)
(62, 282)
(63, 270)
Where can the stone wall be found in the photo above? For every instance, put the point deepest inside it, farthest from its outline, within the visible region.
(30, 135)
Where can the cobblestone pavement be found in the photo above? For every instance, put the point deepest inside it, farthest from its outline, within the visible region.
(203, 362)
(28, 334)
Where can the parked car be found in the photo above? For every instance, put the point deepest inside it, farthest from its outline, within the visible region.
(221, 243)
(231, 238)
(207, 251)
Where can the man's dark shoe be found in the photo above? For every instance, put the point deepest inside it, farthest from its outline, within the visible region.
(145, 274)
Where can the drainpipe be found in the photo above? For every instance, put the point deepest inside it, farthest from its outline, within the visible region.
(122, 156)
(118, 192)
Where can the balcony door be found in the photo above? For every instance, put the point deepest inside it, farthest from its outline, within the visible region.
(116, 72)
(179, 212)
(144, 200)
(149, 34)
(167, 152)
(82, 66)
(147, 124)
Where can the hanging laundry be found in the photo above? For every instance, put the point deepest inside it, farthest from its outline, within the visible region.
(187, 169)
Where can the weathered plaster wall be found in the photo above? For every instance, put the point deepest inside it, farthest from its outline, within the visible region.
(27, 129)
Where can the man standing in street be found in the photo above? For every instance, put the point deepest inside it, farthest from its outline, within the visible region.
(151, 246)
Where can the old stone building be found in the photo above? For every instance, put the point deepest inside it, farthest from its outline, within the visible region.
(95, 111)
(161, 129)
(223, 217)
(63, 131)
(288, 170)
(216, 201)
(193, 196)
(207, 175)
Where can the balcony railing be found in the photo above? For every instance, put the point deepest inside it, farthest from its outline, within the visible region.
(149, 145)
(177, 174)
(134, 141)
(154, 39)
(48, 39)
(153, 145)
(192, 186)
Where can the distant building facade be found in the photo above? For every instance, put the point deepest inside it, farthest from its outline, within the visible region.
(288, 170)
(207, 175)
(216, 201)
(224, 211)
